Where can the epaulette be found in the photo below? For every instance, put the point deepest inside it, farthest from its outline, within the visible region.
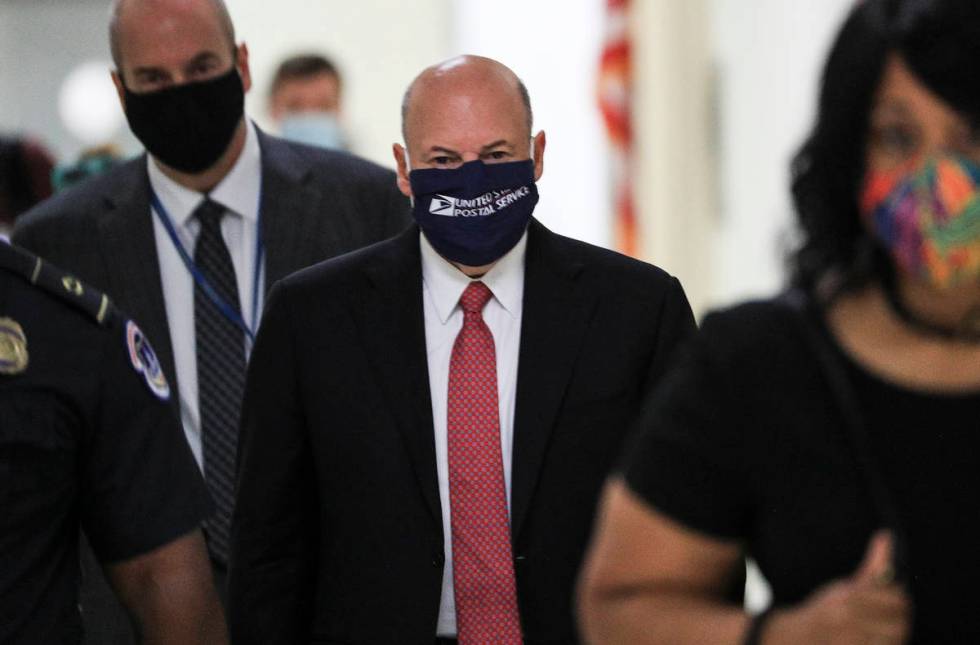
(61, 285)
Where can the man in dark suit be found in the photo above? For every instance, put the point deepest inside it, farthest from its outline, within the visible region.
(188, 236)
(428, 421)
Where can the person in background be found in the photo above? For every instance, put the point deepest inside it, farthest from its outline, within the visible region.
(25, 178)
(305, 101)
(90, 163)
(831, 433)
(88, 440)
(188, 237)
(428, 421)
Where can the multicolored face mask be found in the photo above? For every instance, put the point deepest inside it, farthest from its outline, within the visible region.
(927, 215)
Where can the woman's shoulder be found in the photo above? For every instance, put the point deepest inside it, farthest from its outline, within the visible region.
(754, 324)
(747, 350)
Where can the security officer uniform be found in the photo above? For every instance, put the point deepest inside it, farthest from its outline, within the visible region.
(87, 440)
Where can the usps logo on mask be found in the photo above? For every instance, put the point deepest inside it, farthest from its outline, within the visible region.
(443, 205)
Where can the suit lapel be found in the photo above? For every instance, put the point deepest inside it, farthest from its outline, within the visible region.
(557, 313)
(392, 327)
(288, 208)
(133, 269)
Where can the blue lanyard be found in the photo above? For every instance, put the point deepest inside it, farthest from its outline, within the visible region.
(225, 308)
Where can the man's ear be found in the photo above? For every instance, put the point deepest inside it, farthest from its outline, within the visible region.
(539, 143)
(242, 64)
(401, 159)
(120, 89)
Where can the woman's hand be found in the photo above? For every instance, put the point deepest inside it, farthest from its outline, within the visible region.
(869, 608)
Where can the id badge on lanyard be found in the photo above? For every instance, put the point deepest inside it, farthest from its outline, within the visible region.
(227, 309)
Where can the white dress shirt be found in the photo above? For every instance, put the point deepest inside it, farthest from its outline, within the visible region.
(239, 192)
(442, 285)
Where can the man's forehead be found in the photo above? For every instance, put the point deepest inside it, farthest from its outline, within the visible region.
(142, 25)
(474, 143)
(167, 58)
(314, 84)
(465, 135)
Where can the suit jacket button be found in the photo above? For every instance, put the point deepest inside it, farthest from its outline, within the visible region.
(438, 560)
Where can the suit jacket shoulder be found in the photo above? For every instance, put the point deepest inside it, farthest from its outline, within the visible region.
(81, 203)
(346, 182)
(616, 276)
(332, 165)
(392, 265)
(599, 257)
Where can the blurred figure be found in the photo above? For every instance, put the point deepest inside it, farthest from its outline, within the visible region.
(189, 236)
(25, 178)
(89, 440)
(429, 421)
(90, 163)
(831, 434)
(305, 101)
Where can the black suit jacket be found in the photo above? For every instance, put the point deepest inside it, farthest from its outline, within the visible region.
(315, 204)
(337, 535)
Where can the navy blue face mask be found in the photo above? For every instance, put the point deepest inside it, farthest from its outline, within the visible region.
(474, 214)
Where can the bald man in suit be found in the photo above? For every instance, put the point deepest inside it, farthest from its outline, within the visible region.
(428, 421)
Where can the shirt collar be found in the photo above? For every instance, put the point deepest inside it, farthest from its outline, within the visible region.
(446, 283)
(239, 191)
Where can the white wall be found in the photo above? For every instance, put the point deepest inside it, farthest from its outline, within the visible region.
(380, 45)
(675, 179)
(40, 42)
(769, 54)
(554, 47)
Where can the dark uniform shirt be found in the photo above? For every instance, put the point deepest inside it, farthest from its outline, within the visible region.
(87, 439)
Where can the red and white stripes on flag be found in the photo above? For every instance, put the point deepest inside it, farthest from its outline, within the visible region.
(615, 97)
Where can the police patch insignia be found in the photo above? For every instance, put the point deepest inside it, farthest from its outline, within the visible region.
(13, 347)
(145, 362)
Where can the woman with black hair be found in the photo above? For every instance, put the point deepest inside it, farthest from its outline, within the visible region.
(833, 433)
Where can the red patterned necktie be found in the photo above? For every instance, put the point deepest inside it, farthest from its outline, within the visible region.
(483, 566)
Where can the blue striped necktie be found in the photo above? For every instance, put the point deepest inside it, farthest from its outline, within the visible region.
(220, 372)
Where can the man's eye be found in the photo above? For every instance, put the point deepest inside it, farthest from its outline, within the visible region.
(442, 160)
(498, 154)
(201, 69)
(150, 82)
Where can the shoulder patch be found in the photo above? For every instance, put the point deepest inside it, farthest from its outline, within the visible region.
(145, 361)
(54, 281)
(13, 347)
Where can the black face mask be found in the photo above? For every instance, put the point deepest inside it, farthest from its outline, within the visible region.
(189, 126)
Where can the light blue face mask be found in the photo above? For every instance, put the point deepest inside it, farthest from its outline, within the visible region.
(320, 129)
